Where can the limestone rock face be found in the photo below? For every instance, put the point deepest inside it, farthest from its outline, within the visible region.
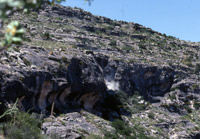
(86, 69)
(82, 81)
(79, 82)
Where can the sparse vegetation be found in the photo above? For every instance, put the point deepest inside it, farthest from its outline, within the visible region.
(61, 38)
(187, 61)
(151, 115)
(45, 36)
(197, 68)
(124, 130)
(134, 103)
(113, 42)
(22, 126)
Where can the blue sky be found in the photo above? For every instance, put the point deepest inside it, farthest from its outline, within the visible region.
(179, 18)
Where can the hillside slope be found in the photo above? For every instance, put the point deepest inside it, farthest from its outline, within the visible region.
(94, 70)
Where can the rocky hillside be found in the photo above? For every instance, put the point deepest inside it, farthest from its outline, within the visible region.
(88, 76)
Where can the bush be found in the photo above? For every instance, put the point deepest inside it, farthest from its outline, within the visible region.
(197, 68)
(45, 36)
(22, 126)
(92, 136)
(121, 128)
(113, 42)
(132, 103)
(127, 48)
(187, 61)
(151, 115)
(124, 130)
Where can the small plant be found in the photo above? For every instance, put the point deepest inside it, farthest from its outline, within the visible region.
(151, 115)
(92, 136)
(113, 43)
(45, 36)
(121, 128)
(195, 86)
(197, 68)
(171, 37)
(172, 97)
(22, 126)
(187, 108)
(197, 105)
(187, 61)
(127, 48)
(142, 44)
(11, 111)
(132, 103)
(164, 35)
(125, 131)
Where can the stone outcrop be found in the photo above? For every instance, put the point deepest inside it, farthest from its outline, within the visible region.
(81, 81)
(70, 125)
(73, 62)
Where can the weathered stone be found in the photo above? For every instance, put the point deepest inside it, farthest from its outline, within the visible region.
(86, 61)
(68, 126)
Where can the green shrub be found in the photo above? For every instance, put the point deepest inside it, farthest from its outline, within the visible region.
(197, 68)
(109, 135)
(172, 96)
(92, 136)
(121, 128)
(187, 108)
(22, 126)
(187, 61)
(113, 42)
(197, 105)
(127, 48)
(45, 36)
(142, 44)
(132, 103)
(125, 131)
(151, 115)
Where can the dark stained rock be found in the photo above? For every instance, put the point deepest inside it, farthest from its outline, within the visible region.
(149, 81)
(83, 82)
(197, 136)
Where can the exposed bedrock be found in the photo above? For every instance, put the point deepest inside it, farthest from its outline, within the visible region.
(88, 81)
(150, 81)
